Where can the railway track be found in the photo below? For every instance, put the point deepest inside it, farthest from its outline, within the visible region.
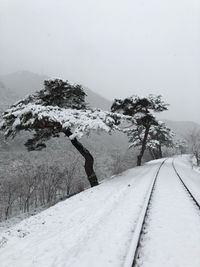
(186, 187)
(141, 228)
(133, 254)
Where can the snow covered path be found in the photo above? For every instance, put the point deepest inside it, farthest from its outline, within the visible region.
(96, 227)
(172, 235)
(93, 228)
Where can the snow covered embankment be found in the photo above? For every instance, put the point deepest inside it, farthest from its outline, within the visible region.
(93, 228)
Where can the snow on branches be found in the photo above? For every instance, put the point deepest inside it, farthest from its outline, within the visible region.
(135, 104)
(35, 117)
(159, 135)
(59, 107)
(142, 110)
(59, 93)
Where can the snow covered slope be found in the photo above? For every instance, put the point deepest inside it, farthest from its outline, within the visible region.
(92, 228)
(95, 227)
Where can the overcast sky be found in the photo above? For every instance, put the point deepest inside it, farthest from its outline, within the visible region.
(115, 47)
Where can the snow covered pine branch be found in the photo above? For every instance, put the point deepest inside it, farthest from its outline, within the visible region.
(58, 108)
(159, 136)
(146, 131)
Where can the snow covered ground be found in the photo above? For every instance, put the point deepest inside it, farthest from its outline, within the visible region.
(95, 228)
(173, 227)
(190, 175)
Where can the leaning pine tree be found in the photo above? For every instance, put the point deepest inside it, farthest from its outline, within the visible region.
(142, 110)
(159, 136)
(59, 108)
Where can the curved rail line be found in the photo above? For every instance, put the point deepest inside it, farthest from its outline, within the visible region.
(133, 254)
(185, 186)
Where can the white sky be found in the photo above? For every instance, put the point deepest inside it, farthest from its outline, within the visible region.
(115, 47)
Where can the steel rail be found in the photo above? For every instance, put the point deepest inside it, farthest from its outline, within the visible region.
(185, 186)
(133, 253)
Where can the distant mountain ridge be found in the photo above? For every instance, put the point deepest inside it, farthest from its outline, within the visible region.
(16, 85)
(97, 101)
(7, 97)
(182, 128)
(25, 82)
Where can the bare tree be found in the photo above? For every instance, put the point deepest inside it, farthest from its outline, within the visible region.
(9, 194)
(31, 186)
(193, 139)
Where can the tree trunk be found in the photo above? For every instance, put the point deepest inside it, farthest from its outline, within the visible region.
(139, 157)
(157, 153)
(89, 160)
(160, 151)
(7, 212)
(197, 158)
(152, 153)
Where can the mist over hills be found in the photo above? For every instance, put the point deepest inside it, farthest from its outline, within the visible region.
(7, 97)
(16, 85)
(182, 128)
(23, 82)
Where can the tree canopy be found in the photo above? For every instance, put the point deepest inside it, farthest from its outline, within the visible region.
(53, 110)
(59, 107)
(145, 130)
(159, 136)
(134, 105)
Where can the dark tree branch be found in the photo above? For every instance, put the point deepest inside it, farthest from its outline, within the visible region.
(89, 160)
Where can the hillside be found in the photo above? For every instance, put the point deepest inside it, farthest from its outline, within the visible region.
(23, 82)
(97, 101)
(62, 231)
(100, 226)
(182, 128)
(7, 96)
(19, 84)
